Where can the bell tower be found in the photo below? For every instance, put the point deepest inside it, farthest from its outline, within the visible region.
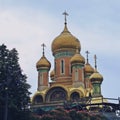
(43, 67)
(63, 48)
(96, 80)
(77, 63)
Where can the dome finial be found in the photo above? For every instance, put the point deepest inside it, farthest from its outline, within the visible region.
(65, 14)
(87, 52)
(43, 45)
(95, 57)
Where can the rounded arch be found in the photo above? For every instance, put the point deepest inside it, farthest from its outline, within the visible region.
(37, 99)
(79, 90)
(89, 93)
(75, 96)
(56, 93)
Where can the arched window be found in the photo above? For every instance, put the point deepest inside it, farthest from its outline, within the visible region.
(62, 67)
(76, 74)
(75, 96)
(38, 99)
(56, 94)
(41, 79)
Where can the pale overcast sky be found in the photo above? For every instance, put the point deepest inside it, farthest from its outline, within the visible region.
(26, 24)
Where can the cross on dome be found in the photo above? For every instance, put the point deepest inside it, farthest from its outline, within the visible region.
(95, 57)
(65, 14)
(43, 45)
(87, 52)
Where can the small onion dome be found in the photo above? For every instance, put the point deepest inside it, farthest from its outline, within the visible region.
(65, 41)
(43, 62)
(77, 58)
(96, 76)
(52, 73)
(88, 68)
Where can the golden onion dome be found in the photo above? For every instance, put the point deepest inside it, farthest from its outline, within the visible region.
(43, 62)
(96, 76)
(52, 73)
(65, 41)
(88, 68)
(77, 58)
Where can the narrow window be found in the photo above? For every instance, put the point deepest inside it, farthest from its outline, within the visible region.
(55, 68)
(76, 74)
(41, 79)
(70, 69)
(62, 66)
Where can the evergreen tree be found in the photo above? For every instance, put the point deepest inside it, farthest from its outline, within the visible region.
(14, 94)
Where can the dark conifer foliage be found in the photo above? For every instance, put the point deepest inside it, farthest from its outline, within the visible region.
(14, 89)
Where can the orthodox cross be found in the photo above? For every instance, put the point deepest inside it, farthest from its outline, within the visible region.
(43, 45)
(65, 14)
(87, 52)
(95, 57)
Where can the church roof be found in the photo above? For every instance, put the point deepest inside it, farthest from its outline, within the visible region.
(96, 76)
(65, 41)
(52, 73)
(43, 62)
(77, 58)
(88, 68)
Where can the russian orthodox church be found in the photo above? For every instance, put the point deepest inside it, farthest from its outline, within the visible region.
(72, 78)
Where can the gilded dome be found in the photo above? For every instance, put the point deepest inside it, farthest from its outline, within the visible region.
(52, 73)
(77, 58)
(65, 41)
(96, 76)
(88, 68)
(43, 62)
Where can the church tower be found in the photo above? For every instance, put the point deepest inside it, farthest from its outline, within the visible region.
(77, 63)
(96, 81)
(88, 71)
(72, 77)
(43, 67)
(63, 48)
